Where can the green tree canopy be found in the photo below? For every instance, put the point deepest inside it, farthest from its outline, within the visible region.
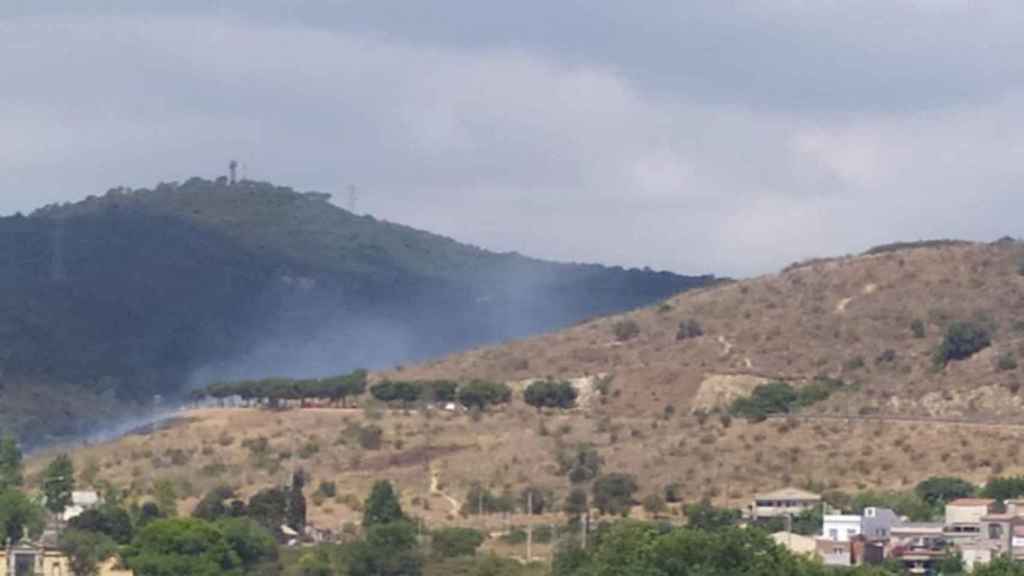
(18, 516)
(550, 394)
(613, 493)
(85, 550)
(382, 506)
(59, 483)
(455, 541)
(181, 547)
(10, 463)
(939, 490)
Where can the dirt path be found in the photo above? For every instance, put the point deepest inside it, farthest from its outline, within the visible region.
(435, 488)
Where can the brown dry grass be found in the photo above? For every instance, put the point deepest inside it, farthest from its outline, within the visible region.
(807, 321)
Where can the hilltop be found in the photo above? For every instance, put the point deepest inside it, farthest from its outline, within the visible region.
(657, 387)
(136, 294)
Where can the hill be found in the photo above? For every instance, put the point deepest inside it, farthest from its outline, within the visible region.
(655, 401)
(116, 299)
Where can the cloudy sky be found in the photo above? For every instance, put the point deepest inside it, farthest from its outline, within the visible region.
(726, 137)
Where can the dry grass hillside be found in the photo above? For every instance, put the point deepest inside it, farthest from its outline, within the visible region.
(898, 420)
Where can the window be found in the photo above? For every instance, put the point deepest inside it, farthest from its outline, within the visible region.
(833, 534)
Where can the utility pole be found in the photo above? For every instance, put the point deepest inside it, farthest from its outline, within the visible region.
(233, 168)
(529, 525)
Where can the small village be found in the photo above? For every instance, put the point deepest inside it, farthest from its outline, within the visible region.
(976, 529)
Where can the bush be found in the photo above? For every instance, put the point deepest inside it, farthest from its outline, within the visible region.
(613, 493)
(550, 394)
(1006, 361)
(480, 500)
(917, 328)
(674, 492)
(705, 516)
(962, 340)
(370, 437)
(939, 490)
(654, 504)
(625, 330)
(392, 391)
(765, 400)
(689, 329)
(455, 542)
(481, 394)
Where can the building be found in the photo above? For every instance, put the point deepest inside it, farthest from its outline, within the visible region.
(784, 502)
(834, 552)
(874, 524)
(44, 559)
(81, 500)
(796, 543)
(840, 527)
(964, 517)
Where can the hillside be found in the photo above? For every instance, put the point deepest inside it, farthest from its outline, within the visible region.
(897, 419)
(115, 299)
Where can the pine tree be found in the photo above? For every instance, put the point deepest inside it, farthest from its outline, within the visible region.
(58, 483)
(382, 507)
(296, 512)
(10, 463)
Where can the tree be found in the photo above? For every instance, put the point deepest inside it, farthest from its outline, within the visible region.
(532, 500)
(109, 520)
(382, 506)
(962, 340)
(454, 542)
(613, 493)
(550, 394)
(166, 496)
(296, 512)
(252, 542)
(689, 329)
(10, 463)
(389, 550)
(940, 490)
(576, 503)
(765, 400)
(59, 483)
(481, 394)
(85, 550)
(654, 504)
(584, 465)
(181, 547)
(707, 517)
(18, 516)
(1001, 566)
(269, 507)
(951, 565)
(213, 505)
(1004, 488)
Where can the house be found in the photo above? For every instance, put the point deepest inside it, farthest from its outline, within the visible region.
(784, 502)
(44, 559)
(840, 527)
(874, 524)
(964, 517)
(834, 552)
(796, 543)
(81, 500)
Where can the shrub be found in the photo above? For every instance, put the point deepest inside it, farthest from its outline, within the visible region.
(855, 363)
(625, 330)
(962, 340)
(674, 492)
(917, 328)
(613, 493)
(1020, 265)
(370, 437)
(1006, 361)
(309, 449)
(455, 542)
(938, 490)
(327, 489)
(481, 394)
(392, 391)
(689, 329)
(654, 504)
(765, 400)
(480, 500)
(886, 357)
(550, 394)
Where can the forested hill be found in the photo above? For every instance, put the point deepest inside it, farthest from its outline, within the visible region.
(141, 292)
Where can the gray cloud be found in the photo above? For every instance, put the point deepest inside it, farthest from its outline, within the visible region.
(724, 139)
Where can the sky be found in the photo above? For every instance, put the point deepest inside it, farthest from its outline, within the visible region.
(698, 137)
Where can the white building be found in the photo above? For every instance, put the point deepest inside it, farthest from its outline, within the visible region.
(81, 500)
(874, 524)
(840, 527)
(785, 502)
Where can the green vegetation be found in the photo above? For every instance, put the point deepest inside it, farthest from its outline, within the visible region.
(625, 330)
(1006, 361)
(10, 463)
(550, 394)
(704, 516)
(897, 246)
(940, 490)
(85, 550)
(58, 483)
(455, 542)
(481, 394)
(19, 516)
(613, 493)
(962, 340)
(689, 328)
(382, 506)
(776, 398)
(1004, 487)
(917, 328)
(252, 264)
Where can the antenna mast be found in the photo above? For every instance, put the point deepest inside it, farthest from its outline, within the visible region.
(233, 167)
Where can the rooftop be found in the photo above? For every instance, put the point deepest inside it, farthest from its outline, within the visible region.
(972, 502)
(788, 493)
